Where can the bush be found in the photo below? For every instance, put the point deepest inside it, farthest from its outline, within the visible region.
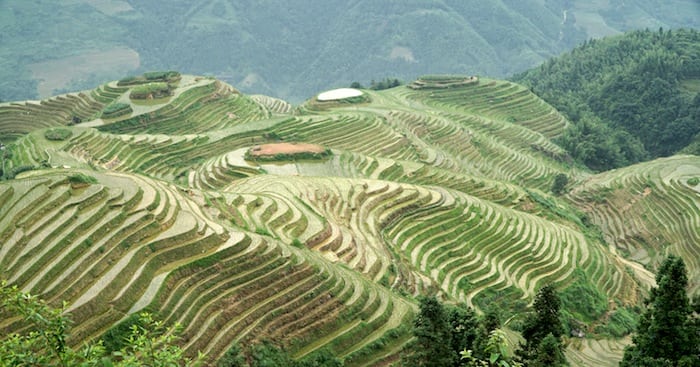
(151, 90)
(116, 109)
(560, 182)
(161, 75)
(693, 181)
(81, 178)
(128, 80)
(58, 134)
(19, 169)
(621, 322)
(153, 76)
(288, 156)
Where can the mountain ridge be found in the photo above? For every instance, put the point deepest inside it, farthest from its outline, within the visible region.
(293, 49)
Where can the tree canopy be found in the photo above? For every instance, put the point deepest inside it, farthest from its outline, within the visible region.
(542, 331)
(668, 333)
(43, 343)
(631, 97)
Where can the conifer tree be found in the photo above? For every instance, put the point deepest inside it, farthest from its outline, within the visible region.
(668, 332)
(433, 339)
(543, 331)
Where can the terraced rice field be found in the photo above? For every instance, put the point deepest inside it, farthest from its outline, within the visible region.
(647, 211)
(428, 191)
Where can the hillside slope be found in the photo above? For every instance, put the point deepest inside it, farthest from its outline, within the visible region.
(439, 187)
(292, 49)
(632, 97)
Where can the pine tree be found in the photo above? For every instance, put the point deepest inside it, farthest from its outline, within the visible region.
(668, 333)
(543, 331)
(433, 339)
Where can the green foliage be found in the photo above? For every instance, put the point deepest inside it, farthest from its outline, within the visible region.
(232, 358)
(624, 95)
(668, 333)
(582, 300)
(550, 353)
(58, 134)
(463, 325)
(267, 354)
(540, 327)
(44, 340)
(161, 75)
(116, 109)
(297, 243)
(694, 181)
(14, 171)
(496, 351)
(151, 90)
(432, 345)
(81, 178)
(116, 338)
(621, 322)
(384, 84)
(320, 358)
(152, 76)
(279, 157)
(559, 184)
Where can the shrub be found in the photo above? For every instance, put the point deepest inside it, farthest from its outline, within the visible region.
(116, 109)
(58, 134)
(127, 80)
(150, 90)
(288, 156)
(693, 181)
(17, 170)
(80, 178)
(559, 185)
(152, 76)
(161, 75)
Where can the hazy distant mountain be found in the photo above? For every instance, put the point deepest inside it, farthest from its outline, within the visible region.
(293, 49)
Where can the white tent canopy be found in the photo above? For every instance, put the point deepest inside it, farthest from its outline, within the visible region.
(336, 94)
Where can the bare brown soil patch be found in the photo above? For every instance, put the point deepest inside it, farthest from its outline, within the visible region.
(285, 148)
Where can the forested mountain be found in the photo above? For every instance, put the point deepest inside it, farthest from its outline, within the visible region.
(631, 97)
(292, 49)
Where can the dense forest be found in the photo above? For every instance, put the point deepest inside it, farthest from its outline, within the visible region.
(631, 97)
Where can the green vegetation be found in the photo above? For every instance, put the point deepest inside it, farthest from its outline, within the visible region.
(150, 77)
(433, 336)
(429, 191)
(543, 332)
(152, 90)
(559, 184)
(668, 333)
(281, 157)
(44, 341)
(380, 85)
(58, 134)
(116, 109)
(81, 178)
(625, 95)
